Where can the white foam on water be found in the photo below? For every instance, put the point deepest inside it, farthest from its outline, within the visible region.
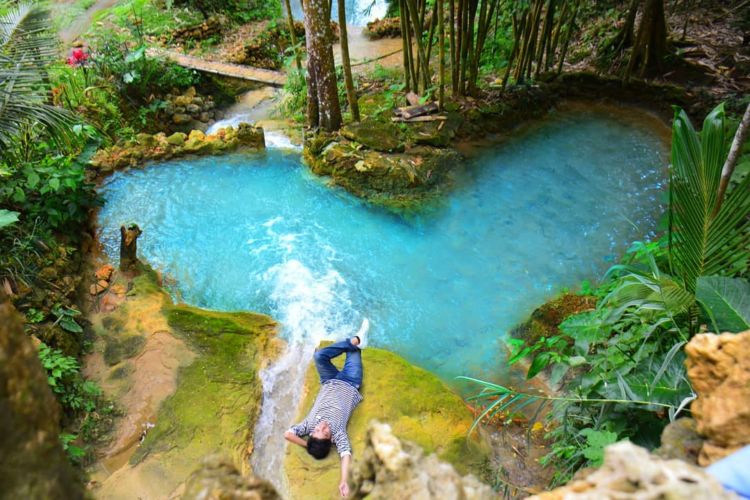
(232, 121)
(312, 304)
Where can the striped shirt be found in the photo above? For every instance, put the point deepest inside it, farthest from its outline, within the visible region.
(335, 403)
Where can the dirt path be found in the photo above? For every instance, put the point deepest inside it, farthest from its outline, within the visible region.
(80, 25)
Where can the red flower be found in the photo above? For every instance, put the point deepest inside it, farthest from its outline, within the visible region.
(78, 57)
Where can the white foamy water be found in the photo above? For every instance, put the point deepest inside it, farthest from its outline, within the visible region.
(312, 303)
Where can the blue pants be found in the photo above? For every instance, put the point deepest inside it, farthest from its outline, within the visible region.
(352, 371)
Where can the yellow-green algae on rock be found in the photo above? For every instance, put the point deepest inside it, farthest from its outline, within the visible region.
(218, 396)
(417, 405)
(211, 404)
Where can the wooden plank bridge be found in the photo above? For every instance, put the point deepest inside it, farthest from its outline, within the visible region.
(267, 76)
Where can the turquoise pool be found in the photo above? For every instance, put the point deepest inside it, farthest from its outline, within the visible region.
(551, 207)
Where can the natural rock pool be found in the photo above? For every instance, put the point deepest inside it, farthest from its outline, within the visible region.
(527, 217)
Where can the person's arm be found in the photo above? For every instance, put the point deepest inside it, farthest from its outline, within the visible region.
(297, 432)
(294, 438)
(344, 484)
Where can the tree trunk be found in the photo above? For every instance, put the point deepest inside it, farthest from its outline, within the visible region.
(351, 95)
(734, 153)
(441, 54)
(321, 82)
(129, 247)
(650, 48)
(292, 35)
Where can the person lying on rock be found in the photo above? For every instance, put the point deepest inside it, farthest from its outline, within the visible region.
(338, 396)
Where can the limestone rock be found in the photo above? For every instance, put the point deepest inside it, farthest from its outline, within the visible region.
(32, 462)
(629, 472)
(417, 405)
(390, 468)
(181, 118)
(177, 139)
(680, 440)
(219, 479)
(377, 136)
(104, 272)
(719, 369)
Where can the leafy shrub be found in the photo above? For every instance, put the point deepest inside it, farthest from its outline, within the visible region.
(65, 380)
(53, 189)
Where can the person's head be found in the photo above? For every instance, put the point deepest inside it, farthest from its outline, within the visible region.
(319, 442)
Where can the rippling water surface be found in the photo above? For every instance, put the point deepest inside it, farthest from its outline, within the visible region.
(527, 218)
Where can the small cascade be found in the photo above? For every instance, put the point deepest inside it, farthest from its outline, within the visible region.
(311, 302)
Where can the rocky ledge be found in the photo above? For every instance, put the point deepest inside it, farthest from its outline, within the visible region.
(416, 405)
(147, 147)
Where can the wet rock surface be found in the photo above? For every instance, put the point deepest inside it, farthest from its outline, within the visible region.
(32, 462)
(159, 146)
(417, 405)
(188, 111)
(392, 468)
(630, 472)
(218, 479)
(188, 386)
(719, 369)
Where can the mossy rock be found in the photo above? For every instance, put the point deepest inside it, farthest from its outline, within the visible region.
(218, 396)
(116, 349)
(418, 406)
(376, 135)
(546, 319)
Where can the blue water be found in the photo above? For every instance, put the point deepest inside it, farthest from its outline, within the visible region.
(530, 216)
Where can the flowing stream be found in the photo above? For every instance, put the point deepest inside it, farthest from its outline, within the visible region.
(526, 217)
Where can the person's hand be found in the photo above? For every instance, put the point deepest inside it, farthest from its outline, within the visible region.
(344, 489)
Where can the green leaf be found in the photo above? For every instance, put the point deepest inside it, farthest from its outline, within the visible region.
(541, 361)
(596, 442)
(70, 325)
(8, 217)
(54, 183)
(727, 299)
(32, 179)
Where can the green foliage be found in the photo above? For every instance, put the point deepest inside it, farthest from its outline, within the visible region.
(703, 243)
(238, 10)
(622, 364)
(137, 76)
(65, 380)
(53, 189)
(75, 453)
(295, 94)
(8, 217)
(26, 48)
(727, 300)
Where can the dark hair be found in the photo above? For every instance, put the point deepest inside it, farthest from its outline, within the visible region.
(318, 448)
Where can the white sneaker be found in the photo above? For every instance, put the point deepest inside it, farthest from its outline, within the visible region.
(362, 333)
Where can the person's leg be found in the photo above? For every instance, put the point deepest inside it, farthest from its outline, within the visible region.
(352, 371)
(323, 358)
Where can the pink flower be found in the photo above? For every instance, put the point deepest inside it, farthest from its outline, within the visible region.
(78, 57)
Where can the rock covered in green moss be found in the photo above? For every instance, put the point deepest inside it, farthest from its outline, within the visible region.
(417, 405)
(156, 147)
(218, 396)
(399, 179)
(375, 135)
(546, 319)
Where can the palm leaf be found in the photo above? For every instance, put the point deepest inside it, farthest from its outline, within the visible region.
(728, 300)
(702, 245)
(27, 46)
